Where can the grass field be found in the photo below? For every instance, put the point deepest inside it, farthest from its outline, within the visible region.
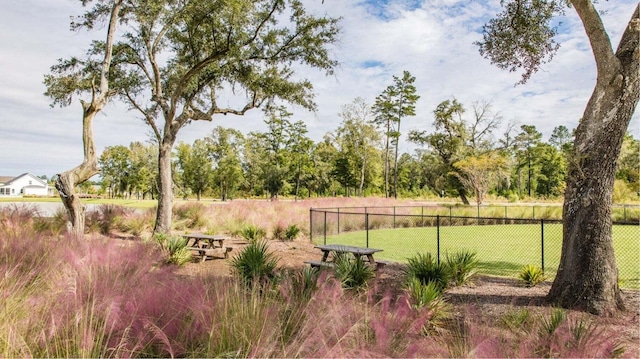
(501, 249)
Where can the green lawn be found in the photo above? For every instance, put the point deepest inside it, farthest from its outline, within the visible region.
(147, 203)
(501, 249)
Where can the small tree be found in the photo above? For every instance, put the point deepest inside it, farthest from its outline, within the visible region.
(481, 173)
(180, 57)
(78, 76)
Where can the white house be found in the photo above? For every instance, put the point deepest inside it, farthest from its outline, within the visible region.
(24, 185)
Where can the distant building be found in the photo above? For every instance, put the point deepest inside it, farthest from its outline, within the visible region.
(24, 185)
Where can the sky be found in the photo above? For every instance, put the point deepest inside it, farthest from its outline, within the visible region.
(379, 39)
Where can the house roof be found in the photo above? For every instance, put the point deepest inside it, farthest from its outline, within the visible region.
(42, 182)
(5, 179)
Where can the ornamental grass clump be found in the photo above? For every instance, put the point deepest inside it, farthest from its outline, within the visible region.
(426, 269)
(352, 272)
(253, 233)
(190, 216)
(291, 232)
(531, 275)
(255, 263)
(462, 266)
(174, 248)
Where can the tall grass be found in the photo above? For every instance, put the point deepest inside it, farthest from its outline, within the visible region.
(101, 297)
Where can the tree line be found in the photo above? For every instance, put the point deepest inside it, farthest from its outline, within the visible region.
(462, 157)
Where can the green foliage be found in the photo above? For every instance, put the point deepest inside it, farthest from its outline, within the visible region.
(521, 37)
(174, 248)
(255, 262)
(517, 320)
(425, 295)
(253, 233)
(462, 266)
(291, 232)
(353, 272)
(531, 275)
(426, 269)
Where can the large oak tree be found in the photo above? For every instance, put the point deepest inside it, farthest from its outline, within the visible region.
(181, 61)
(521, 37)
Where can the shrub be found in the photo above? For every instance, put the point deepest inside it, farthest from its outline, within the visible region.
(253, 233)
(517, 320)
(462, 266)
(255, 262)
(291, 232)
(191, 215)
(426, 269)
(352, 272)
(531, 275)
(278, 232)
(174, 249)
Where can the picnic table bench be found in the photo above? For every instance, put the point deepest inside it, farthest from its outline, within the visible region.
(358, 252)
(207, 245)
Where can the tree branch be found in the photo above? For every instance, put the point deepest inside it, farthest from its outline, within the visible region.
(606, 62)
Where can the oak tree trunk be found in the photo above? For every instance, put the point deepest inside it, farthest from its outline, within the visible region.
(587, 277)
(67, 181)
(165, 192)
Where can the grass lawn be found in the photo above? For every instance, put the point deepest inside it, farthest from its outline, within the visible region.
(501, 249)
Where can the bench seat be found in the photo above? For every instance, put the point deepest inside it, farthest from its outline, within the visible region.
(319, 264)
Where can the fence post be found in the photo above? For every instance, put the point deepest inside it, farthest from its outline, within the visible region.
(311, 225)
(625, 212)
(449, 215)
(438, 236)
(325, 227)
(338, 220)
(366, 224)
(505, 212)
(394, 217)
(422, 216)
(478, 214)
(542, 241)
(534, 212)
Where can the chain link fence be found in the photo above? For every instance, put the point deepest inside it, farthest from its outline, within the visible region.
(503, 245)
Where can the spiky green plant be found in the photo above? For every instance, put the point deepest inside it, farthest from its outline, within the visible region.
(531, 275)
(255, 262)
(253, 233)
(174, 248)
(462, 265)
(426, 269)
(291, 232)
(352, 272)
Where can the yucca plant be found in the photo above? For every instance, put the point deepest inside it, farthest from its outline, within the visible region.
(531, 275)
(352, 272)
(426, 269)
(462, 265)
(255, 262)
(291, 232)
(428, 296)
(253, 233)
(174, 249)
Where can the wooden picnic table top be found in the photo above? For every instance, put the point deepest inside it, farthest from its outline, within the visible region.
(217, 237)
(348, 249)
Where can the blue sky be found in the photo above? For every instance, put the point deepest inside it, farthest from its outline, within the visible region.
(380, 38)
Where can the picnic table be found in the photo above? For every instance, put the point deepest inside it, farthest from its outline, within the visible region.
(358, 252)
(206, 245)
